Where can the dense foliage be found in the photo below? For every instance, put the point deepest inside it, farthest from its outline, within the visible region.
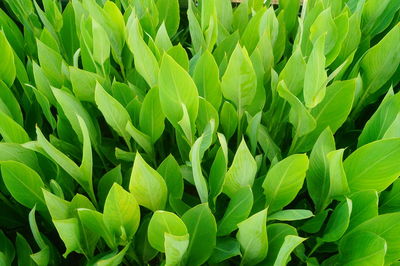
(170, 132)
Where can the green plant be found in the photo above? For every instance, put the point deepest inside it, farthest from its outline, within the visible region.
(135, 132)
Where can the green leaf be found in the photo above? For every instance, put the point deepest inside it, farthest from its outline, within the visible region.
(218, 169)
(163, 222)
(121, 213)
(24, 251)
(338, 222)
(295, 64)
(338, 182)
(289, 244)
(93, 220)
(284, 180)
(114, 113)
(238, 210)
(7, 68)
(140, 138)
(299, 116)
(175, 248)
(7, 252)
(253, 239)
(379, 64)
(385, 226)
(206, 77)
(162, 39)
(11, 105)
(332, 112)
(362, 248)
(381, 120)
(373, 166)
(168, 13)
(151, 117)
(226, 248)
(315, 75)
(84, 83)
(291, 215)
(242, 172)
(70, 234)
(11, 131)
(145, 61)
(318, 179)
(229, 119)
(147, 185)
(111, 259)
(106, 182)
(24, 184)
(169, 169)
(73, 107)
(202, 228)
(365, 207)
(177, 89)
(239, 81)
(82, 174)
(276, 235)
(196, 155)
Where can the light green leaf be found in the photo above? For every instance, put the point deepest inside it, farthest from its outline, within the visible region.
(385, 226)
(11, 131)
(332, 112)
(196, 156)
(238, 210)
(7, 68)
(84, 83)
(291, 215)
(229, 119)
(381, 120)
(114, 113)
(362, 248)
(318, 180)
(239, 81)
(315, 75)
(338, 182)
(162, 39)
(295, 64)
(379, 64)
(151, 117)
(373, 166)
(253, 239)
(24, 184)
(140, 138)
(69, 232)
(284, 180)
(121, 213)
(176, 89)
(242, 172)
(289, 244)
(163, 222)
(202, 228)
(111, 259)
(147, 185)
(299, 116)
(175, 248)
(206, 77)
(169, 169)
(73, 107)
(168, 14)
(338, 222)
(365, 207)
(145, 61)
(276, 235)
(93, 220)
